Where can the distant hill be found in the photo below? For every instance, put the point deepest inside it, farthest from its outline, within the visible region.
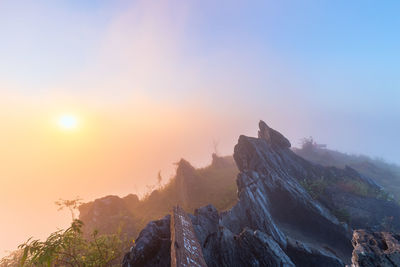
(385, 174)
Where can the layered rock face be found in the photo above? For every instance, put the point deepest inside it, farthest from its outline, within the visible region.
(273, 204)
(280, 218)
(375, 249)
(152, 248)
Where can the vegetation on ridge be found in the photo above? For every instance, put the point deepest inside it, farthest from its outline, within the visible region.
(191, 188)
(69, 247)
(385, 174)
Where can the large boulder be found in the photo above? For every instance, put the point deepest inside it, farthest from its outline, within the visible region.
(152, 247)
(375, 249)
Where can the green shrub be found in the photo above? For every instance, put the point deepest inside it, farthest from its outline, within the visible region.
(385, 196)
(69, 248)
(315, 187)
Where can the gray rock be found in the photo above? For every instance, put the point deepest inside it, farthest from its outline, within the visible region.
(152, 247)
(305, 255)
(249, 248)
(375, 249)
(272, 201)
(277, 221)
(271, 136)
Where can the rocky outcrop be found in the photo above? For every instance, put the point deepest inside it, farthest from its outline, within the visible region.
(375, 249)
(287, 210)
(249, 248)
(305, 255)
(274, 138)
(152, 248)
(273, 202)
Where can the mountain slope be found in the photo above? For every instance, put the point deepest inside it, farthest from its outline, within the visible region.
(385, 174)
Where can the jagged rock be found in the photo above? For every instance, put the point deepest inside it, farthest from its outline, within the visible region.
(270, 194)
(249, 248)
(272, 201)
(271, 136)
(278, 219)
(306, 255)
(152, 247)
(375, 249)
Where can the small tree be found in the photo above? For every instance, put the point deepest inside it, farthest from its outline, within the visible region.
(215, 147)
(308, 144)
(71, 205)
(159, 179)
(69, 248)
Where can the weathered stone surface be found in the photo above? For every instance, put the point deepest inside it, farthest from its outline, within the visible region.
(272, 201)
(152, 247)
(304, 255)
(249, 248)
(185, 248)
(375, 249)
(273, 137)
(205, 222)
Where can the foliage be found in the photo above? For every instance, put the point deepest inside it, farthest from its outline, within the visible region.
(385, 174)
(12, 259)
(71, 205)
(69, 248)
(385, 196)
(315, 187)
(214, 185)
(357, 188)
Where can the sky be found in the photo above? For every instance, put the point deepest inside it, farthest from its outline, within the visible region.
(150, 82)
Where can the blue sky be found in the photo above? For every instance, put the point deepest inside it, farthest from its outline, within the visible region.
(333, 63)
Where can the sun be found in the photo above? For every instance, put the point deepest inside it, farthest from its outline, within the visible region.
(68, 122)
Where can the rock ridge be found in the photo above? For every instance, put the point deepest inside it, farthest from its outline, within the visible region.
(279, 220)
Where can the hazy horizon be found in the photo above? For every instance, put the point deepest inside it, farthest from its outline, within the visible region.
(150, 83)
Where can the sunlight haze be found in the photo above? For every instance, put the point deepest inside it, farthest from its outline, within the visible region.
(97, 97)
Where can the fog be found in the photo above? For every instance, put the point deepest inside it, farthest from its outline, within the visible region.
(153, 83)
